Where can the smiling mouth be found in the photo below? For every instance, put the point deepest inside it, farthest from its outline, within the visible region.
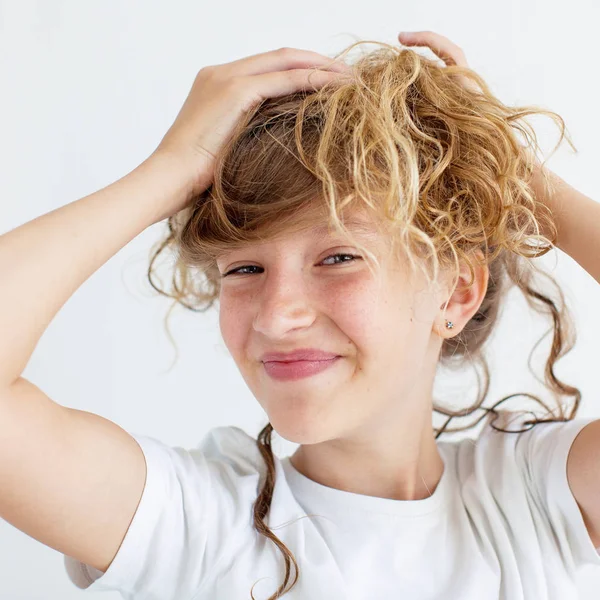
(297, 369)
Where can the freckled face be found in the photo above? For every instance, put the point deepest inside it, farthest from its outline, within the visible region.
(294, 294)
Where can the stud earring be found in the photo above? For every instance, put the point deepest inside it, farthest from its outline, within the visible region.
(449, 324)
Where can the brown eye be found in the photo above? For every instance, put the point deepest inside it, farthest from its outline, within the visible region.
(236, 271)
(352, 257)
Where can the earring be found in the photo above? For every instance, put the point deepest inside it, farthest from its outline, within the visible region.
(449, 324)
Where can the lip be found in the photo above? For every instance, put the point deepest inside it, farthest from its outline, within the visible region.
(297, 369)
(309, 354)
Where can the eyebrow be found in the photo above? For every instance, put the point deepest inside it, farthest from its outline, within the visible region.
(362, 228)
(354, 226)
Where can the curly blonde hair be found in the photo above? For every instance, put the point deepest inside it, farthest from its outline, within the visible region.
(445, 167)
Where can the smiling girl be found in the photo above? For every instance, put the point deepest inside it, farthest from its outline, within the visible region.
(359, 226)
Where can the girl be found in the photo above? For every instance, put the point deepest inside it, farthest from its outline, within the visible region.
(360, 225)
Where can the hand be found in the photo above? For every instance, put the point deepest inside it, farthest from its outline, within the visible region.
(221, 94)
(451, 54)
(442, 47)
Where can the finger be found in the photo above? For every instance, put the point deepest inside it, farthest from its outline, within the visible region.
(447, 50)
(286, 82)
(285, 59)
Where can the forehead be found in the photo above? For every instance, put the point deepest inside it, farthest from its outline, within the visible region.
(365, 230)
(355, 226)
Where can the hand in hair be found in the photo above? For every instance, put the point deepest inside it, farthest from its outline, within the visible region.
(222, 94)
(448, 51)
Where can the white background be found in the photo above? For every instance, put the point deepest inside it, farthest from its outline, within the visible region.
(88, 90)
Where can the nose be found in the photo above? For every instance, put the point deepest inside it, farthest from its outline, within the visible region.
(284, 305)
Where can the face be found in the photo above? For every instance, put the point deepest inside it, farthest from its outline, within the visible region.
(292, 293)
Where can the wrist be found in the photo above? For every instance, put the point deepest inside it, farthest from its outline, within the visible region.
(545, 185)
(169, 177)
(193, 171)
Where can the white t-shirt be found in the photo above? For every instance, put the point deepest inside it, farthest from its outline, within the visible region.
(501, 524)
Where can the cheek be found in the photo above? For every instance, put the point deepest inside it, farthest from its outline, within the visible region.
(361, 315)
(231, 324)
(386, 331)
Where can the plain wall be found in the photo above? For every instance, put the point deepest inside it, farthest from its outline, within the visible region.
(88, 91)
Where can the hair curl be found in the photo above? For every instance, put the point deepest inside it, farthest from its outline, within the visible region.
(445, 167)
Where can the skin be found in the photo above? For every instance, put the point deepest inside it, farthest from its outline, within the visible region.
(365, 424)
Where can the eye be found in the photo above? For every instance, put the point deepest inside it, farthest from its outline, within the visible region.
(351, 257)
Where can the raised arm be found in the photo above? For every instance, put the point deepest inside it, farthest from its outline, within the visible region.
(577, 220)
(69, 478)
(577, 216)
(44, 261)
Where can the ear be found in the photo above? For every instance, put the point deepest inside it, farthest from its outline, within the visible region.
(460, 303)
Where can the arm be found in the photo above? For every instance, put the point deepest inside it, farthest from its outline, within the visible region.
(44, 261)
(54, 485)
(578, 223)
(577, 220)
(69, 478)
(578, 217)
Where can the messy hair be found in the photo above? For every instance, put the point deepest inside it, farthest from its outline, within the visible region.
(445, 169)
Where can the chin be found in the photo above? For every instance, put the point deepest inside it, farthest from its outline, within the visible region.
(297, 430)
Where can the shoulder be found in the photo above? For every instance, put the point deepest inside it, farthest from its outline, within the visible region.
(514, 458)
(533, 478)
(510, 437)
(583, 474)
(223, 453)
